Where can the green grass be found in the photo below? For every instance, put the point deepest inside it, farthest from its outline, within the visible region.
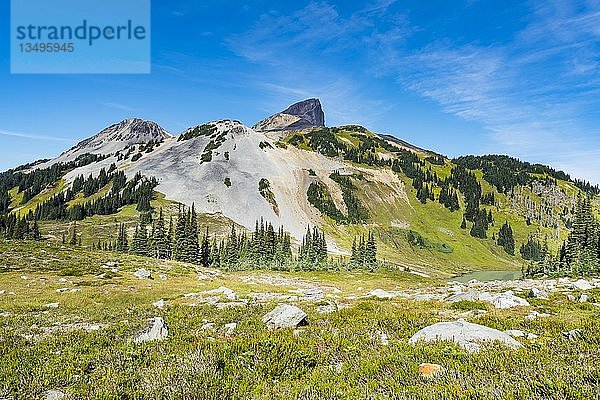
(337, 356)
(46, 194)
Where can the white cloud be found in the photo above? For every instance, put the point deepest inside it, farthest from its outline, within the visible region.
(34, 136)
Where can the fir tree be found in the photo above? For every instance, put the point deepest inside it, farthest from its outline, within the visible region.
(506, 239)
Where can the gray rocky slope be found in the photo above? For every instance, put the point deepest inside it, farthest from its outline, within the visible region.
(243, 155)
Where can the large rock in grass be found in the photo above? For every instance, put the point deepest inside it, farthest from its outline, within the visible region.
(508, 300)
(285, 316)
(582, 284)
(156, 331)
(142, 273)
(467, 335)
(500, 300)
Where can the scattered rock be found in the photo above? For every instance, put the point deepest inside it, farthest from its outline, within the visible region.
(51, 305)
(157, 331)
(313, 294)
(570, 297)
(230, 328)
(583, 298)
(381, 294)
(516, 333)
(24, 277)
(163, 277)
(327, 308)
(62, 290)
(508, 300)
(428, 370)
(573, 334)
(582, 284)
(383, 338)
(534, 315)
(467, 335)
(142, 273)
(160, 303)
(221, 305)
(285, 316)
(54, 394)
(501, 300)
(230, 294)
(208, 325)
(536, 293)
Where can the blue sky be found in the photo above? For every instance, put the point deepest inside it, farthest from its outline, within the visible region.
(471, 77)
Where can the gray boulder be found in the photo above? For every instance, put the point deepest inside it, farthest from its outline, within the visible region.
(54, 394)
(156, 331)
(573, 334)
(142, 273)
(467, 335)
(508, 300)
(536, 293)
(582, 284)
(285, 316)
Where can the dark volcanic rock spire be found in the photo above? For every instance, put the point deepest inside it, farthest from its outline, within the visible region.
(304, 114)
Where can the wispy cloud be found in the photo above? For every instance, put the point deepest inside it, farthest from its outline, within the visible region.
(534, 94)
(34, 136)
(119, 106)
(297, 48)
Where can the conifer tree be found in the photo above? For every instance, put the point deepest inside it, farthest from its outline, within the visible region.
(205, 250)
(506, 239)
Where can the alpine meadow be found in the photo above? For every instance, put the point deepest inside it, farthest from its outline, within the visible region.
(308, 254)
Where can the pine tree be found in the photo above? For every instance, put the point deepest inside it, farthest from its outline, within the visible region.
(506, 239)
(139, 243)
(371, 251)
(73, 239)
(158, 243)
(122, 242)
(205, 250)
(354, 260)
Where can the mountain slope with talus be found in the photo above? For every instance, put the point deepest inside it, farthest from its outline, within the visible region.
(346, 180)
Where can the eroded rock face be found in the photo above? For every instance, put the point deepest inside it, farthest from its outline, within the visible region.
(467, 335)
(301, 115)
(285, 316)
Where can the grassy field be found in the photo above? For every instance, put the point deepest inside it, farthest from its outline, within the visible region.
(336, 356)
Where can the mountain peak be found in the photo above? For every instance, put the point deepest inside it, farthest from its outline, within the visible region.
(303, 114)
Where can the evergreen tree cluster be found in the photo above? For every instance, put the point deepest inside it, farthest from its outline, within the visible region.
(506, 239)
(180, 240)
(139, 190)
(506, 172)
(19, 228)
(579, 254)
(449, 198)
(357, 213)
(534, 250)
(314, 247)
(364, 252)
(31, 181)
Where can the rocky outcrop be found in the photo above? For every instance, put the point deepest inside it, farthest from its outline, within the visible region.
(301, 115)
(285, 316)
(467, 335)
(157, 331)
